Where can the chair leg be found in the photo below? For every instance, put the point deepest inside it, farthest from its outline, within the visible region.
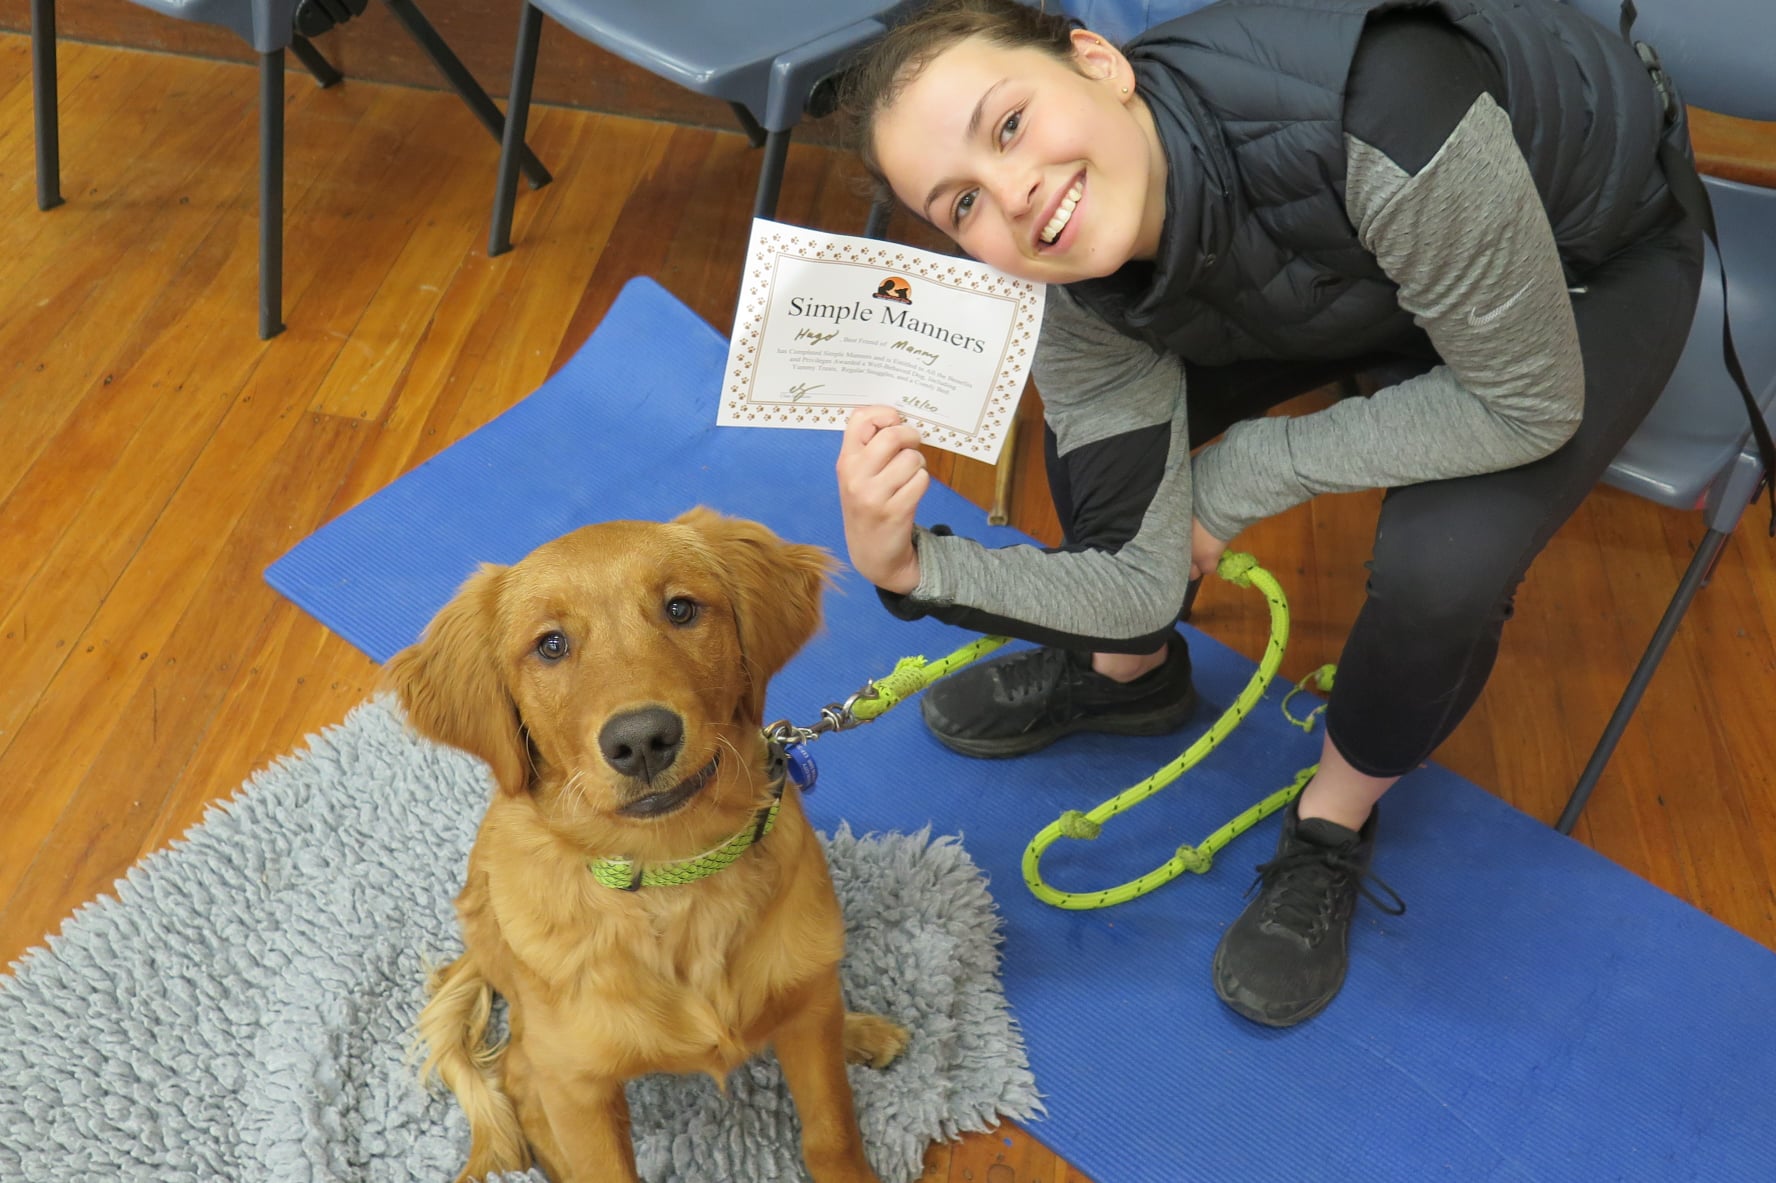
(315, 61)
(1694, 577)
(764, 205)
(463, 82)
(1190, 591)
(43, 82)
(999, 513)
(271, 194)
(881, 209)
(530, 29)
(755, 134)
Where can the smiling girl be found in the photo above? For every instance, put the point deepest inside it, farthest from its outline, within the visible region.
(1459, 197)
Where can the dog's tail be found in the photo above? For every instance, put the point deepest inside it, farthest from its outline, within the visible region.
(453, 1027)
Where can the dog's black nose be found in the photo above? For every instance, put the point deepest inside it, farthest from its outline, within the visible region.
(642, 743)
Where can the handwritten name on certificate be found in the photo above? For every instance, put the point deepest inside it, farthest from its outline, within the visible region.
(827, 323)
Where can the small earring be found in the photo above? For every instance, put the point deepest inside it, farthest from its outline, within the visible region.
(1125, 90)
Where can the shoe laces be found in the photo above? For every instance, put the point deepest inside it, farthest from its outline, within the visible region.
(1303, 886)
(1042, 671)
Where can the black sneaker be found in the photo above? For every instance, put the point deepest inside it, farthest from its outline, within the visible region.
(1026, 700)
(1284, 959)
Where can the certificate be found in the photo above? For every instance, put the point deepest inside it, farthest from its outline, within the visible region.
(827, 323)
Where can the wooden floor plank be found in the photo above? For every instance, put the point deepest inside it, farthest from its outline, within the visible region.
(222, 353)
(108, 136)
(68, 337)
(154, 455)
(159, 726)
(644, 231)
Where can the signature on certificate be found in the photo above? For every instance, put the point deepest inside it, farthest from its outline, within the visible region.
(802, 389)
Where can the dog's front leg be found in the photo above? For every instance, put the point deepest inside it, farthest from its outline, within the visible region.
(588, 1120)
(811, 1047)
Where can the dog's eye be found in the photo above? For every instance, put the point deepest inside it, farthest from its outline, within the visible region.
(551, 647)
(680, 610)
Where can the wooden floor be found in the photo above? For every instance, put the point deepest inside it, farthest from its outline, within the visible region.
(155, 456)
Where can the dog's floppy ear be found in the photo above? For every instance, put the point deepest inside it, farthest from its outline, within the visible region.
(776, 587)
(450, 686)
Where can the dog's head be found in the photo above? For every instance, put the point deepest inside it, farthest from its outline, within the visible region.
(619, 674)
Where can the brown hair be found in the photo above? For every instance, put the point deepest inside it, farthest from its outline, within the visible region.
(876, 79)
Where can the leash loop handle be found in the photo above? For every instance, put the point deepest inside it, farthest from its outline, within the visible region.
(1242, 570)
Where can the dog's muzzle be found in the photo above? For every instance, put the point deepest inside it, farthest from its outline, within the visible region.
(675, 798)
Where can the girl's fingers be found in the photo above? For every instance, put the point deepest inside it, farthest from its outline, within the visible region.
(878, 493)
(889, 441)
(868, 462)
(902, 468)
(863, 425)
(904, 500)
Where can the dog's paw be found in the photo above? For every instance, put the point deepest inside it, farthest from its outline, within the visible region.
(873, 1040)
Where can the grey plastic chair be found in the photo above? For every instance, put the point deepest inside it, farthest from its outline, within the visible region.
(1120, 21)
(1696, 449)
(771, 61)
(269, 26)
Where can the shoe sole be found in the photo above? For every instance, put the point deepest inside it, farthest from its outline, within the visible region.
(1160, 722)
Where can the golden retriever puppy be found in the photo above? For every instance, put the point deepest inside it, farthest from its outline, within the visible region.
(645, 890)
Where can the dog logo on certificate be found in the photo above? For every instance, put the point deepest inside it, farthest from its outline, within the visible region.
(895, 288)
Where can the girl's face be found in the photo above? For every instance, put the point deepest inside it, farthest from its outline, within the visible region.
(1037, 166)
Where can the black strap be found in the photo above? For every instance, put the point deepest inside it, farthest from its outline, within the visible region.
(1686, 186)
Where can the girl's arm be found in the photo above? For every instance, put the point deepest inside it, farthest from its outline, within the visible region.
(1120, 477)
(1456, 221)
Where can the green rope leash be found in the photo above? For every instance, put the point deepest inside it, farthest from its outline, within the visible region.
(913, 674)
(1241, 570)
(1322, 680)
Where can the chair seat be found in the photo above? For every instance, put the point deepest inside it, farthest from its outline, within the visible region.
(1699, 424)
(725, 51)
(263, 24)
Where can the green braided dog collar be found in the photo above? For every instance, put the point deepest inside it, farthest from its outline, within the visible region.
(628, 875)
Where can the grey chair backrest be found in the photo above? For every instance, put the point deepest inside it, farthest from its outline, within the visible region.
(1721, 53)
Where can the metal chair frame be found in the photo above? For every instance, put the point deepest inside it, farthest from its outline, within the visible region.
(801, 80)
(269, 44)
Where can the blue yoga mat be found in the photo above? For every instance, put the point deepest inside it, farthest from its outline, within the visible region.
(1538, 1014)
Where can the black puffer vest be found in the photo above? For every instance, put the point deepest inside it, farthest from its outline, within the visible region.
(1258, 259)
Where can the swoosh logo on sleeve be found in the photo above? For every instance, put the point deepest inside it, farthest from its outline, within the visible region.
(1476, 317)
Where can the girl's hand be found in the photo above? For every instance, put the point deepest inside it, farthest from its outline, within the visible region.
(881, 478)
(1205, 550)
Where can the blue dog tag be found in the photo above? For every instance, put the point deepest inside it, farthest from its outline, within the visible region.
(800, 765)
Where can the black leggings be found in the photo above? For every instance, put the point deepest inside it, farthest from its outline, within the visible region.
(1449, 554)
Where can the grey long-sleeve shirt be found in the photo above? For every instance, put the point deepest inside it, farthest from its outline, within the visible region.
(1466, 240)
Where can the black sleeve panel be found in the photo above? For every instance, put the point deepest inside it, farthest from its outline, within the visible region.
(1412, 80)
(1101, 491)
(988, 624)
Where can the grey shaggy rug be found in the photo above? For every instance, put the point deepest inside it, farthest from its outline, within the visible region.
(244, 1008)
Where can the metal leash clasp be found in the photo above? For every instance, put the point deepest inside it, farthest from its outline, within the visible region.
(789, 742)
(834, 716)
